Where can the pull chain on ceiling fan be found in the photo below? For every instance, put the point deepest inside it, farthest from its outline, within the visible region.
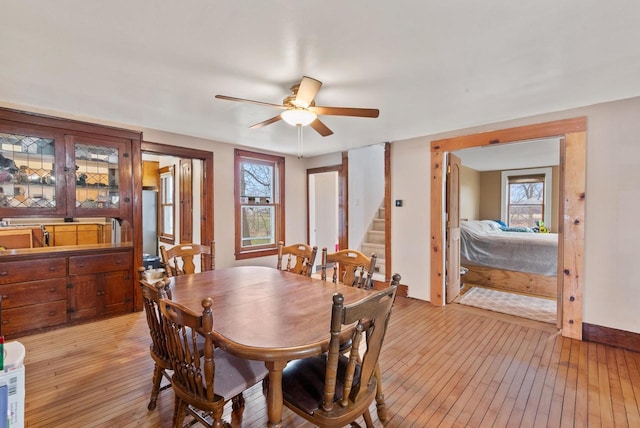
(300, 109)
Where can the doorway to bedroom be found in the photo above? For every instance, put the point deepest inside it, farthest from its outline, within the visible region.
(572, 134)
(508, 210)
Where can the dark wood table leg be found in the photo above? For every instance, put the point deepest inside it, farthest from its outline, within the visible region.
(274, 396)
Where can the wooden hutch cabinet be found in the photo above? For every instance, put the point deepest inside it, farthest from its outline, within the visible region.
(54, 269)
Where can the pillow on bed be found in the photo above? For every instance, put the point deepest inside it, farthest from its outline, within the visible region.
(501, 223)
(492, 225)
(517, 229)
(480, 226)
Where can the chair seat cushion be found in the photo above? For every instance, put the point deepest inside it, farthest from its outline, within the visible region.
(233, 375)
(303, 382)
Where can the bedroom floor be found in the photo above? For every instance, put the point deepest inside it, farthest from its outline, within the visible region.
(518, 304)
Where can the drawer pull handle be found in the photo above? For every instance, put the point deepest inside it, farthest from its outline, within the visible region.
(5, 322)
(52, 313)
(52, 268)
(53, 289)
(118, 261)
(4, 273)
(5, 296)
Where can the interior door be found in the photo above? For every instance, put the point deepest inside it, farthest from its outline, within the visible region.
(323, 210)
(453, 227)
(186, 201)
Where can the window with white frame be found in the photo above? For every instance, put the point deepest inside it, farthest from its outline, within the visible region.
(526, 197)
(166, 208)
(259, 203)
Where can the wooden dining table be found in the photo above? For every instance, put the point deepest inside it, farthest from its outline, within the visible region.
(265, 314)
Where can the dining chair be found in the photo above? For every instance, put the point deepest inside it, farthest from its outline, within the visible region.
(334, 389)
(300, 258)
(151, 295)
(179, 259)
(350, 267)
(204, 383)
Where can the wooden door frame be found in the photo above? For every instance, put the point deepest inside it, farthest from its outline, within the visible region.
(186, 200)
(571, 211)
(387, 213)
(206, 194)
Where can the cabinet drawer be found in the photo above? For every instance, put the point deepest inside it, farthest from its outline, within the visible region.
(30, 270)
(88, 228)
(32, 317)
(99, 263)
(33, 292)
(69, 228)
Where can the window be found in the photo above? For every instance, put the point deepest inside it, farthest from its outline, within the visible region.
(526, 200)
(166, 212)
(259, 203)
(526, 197)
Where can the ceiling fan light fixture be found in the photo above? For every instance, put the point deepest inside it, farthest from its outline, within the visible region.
(298, 116)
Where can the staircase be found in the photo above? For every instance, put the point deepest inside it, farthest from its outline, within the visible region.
(374, 241)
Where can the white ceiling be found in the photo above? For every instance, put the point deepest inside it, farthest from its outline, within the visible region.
(523, 154)
(429, 66)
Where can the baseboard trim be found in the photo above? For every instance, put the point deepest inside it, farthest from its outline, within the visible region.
(403, 290)
(611, 336)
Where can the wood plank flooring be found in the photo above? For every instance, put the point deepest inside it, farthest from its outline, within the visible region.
(442, 367)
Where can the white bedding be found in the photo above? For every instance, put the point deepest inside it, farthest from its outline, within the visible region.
(483, 243)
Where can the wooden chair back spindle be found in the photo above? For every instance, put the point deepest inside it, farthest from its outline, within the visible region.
(299, 258)
(350, 267)
(181, 259)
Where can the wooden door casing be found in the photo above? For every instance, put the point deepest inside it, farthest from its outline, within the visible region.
(571, 216)
(186, 201)
(453, 227)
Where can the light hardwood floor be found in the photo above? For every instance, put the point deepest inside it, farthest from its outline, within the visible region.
(451, 366)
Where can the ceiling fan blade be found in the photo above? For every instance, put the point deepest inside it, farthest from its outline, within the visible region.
(307, 91)
(266, 122)
(345, 111)
(321, 128)
(260, 103)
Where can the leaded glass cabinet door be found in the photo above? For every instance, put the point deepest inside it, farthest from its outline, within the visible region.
(32, 177)
(101, 175)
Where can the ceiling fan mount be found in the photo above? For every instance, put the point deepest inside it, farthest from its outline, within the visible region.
(300, 108)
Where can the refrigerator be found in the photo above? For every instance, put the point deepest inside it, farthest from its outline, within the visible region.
(150, 222)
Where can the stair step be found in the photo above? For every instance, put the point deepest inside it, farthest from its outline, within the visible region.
(375, 236)
(381, 213)
(378, 224)
(369, 248)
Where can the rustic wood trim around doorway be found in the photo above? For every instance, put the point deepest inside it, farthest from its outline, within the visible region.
(572, 133)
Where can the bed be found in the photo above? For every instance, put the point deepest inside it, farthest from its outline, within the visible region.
(515, 259)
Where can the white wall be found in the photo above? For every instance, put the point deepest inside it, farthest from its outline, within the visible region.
(366, 189)
(410, 224)
(611, 288)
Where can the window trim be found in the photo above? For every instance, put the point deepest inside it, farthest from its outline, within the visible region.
(278, 204)
(164, 237)
(547, 204)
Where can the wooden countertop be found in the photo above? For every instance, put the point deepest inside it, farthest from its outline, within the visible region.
(9, 255)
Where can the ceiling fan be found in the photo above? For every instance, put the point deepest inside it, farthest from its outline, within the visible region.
(300, 108)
